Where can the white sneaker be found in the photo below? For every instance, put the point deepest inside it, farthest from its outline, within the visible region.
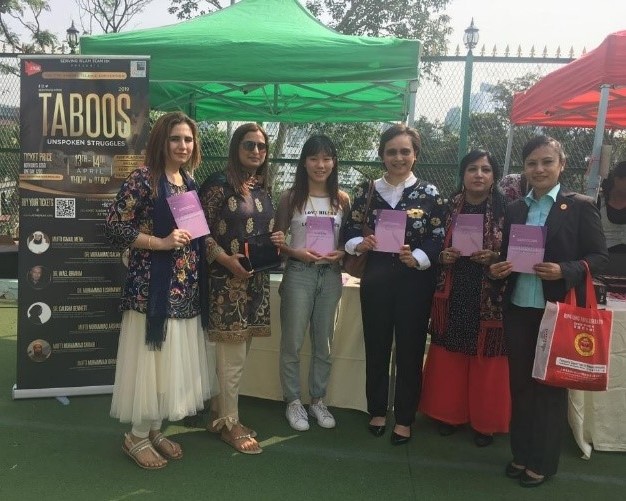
(296, 415)
(324, 418)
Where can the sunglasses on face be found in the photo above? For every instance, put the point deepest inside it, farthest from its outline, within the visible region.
(250, 145)
(392, 152)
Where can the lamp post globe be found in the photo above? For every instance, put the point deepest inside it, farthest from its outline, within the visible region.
(470, 37)
(72, 38)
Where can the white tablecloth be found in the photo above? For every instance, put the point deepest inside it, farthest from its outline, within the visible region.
(346, 387)
(598, 418)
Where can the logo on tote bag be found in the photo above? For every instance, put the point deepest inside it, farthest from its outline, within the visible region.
(585, 344)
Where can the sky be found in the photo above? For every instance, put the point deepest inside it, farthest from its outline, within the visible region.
(550, 23)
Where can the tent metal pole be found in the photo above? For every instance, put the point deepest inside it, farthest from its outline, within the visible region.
(509, 147)
(593, 174)
(412, 101)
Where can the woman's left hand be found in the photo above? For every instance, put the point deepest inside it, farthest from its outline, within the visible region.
(278, 238)
(406, 256)
(484, 257)
(548, 271)
(334, 256)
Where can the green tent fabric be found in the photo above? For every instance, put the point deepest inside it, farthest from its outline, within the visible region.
(270, 60)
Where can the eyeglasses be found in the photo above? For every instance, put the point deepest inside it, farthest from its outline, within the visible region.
(250, 145)
(392, 152)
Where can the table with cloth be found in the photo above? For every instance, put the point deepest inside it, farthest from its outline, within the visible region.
(346, 387)
(598, 418)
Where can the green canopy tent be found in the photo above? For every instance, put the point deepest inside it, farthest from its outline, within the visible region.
(270, 60)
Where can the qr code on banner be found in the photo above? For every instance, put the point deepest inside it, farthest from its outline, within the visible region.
(65, 208)
(138, 69)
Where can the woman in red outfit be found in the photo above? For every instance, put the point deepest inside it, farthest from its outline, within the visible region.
(466, 372)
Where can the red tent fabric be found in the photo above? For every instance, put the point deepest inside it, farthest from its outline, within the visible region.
(569, 96)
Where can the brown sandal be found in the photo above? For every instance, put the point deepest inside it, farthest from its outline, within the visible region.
(237, 442)
(133, 452)
(210, 427)
(158, 443)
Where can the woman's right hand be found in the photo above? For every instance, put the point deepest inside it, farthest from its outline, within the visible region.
(306, 255)
(368, 244)
(175, 240)
(232, 264)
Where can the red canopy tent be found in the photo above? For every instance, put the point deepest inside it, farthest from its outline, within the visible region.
(569, 96)
(588, 92)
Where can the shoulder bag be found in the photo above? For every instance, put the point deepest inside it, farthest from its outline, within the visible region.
(573, 346)
(352, 264)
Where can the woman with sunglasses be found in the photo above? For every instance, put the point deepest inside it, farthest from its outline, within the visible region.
(396, 288)
(237, 205)
(311, 285)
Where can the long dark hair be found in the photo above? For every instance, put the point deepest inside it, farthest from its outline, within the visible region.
(300, 190)
(235, 172)
(158, 142)
(471, 157)
(498, 201)
(607, 184)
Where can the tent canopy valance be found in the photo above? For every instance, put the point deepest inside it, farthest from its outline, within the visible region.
(270, 60)
(569, 96)
(588, 92)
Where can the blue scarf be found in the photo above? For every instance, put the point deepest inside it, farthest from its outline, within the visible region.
(162, 268)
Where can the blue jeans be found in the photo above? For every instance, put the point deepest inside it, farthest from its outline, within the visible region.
(309, 295)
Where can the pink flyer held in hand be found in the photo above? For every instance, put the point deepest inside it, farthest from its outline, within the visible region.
(320, 236)
(526, 247)
(390, 230)
(188, 213)
(467, 233)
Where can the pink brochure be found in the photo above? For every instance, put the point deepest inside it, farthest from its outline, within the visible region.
(320, 234)
(188, 213)
(526, 247)
(467, 233)
(390, 230)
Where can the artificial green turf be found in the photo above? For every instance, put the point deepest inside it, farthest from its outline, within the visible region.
(50, 451)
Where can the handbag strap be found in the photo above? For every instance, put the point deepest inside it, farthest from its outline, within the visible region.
(591, 301)
(366, 229)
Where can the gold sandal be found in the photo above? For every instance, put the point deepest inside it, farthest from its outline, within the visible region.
(237, 444)
(158, 439)
(134, 451)
(211, 428)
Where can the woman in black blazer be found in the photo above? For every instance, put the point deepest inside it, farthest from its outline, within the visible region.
(574, 233)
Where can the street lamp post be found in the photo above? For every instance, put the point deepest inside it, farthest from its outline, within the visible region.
(470, 39)
(72, 38)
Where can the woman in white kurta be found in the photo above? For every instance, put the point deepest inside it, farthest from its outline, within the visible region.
(165, 367)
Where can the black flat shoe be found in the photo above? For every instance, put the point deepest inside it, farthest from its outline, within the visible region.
(513, 472)
(482, 440)
(445, 429)
(525, 480)
(399, 439)
(377, 431)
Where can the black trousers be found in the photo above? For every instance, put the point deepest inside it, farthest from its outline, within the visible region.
(539, 411)
(395, 300)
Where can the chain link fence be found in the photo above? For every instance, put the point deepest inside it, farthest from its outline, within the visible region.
(439, 101)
